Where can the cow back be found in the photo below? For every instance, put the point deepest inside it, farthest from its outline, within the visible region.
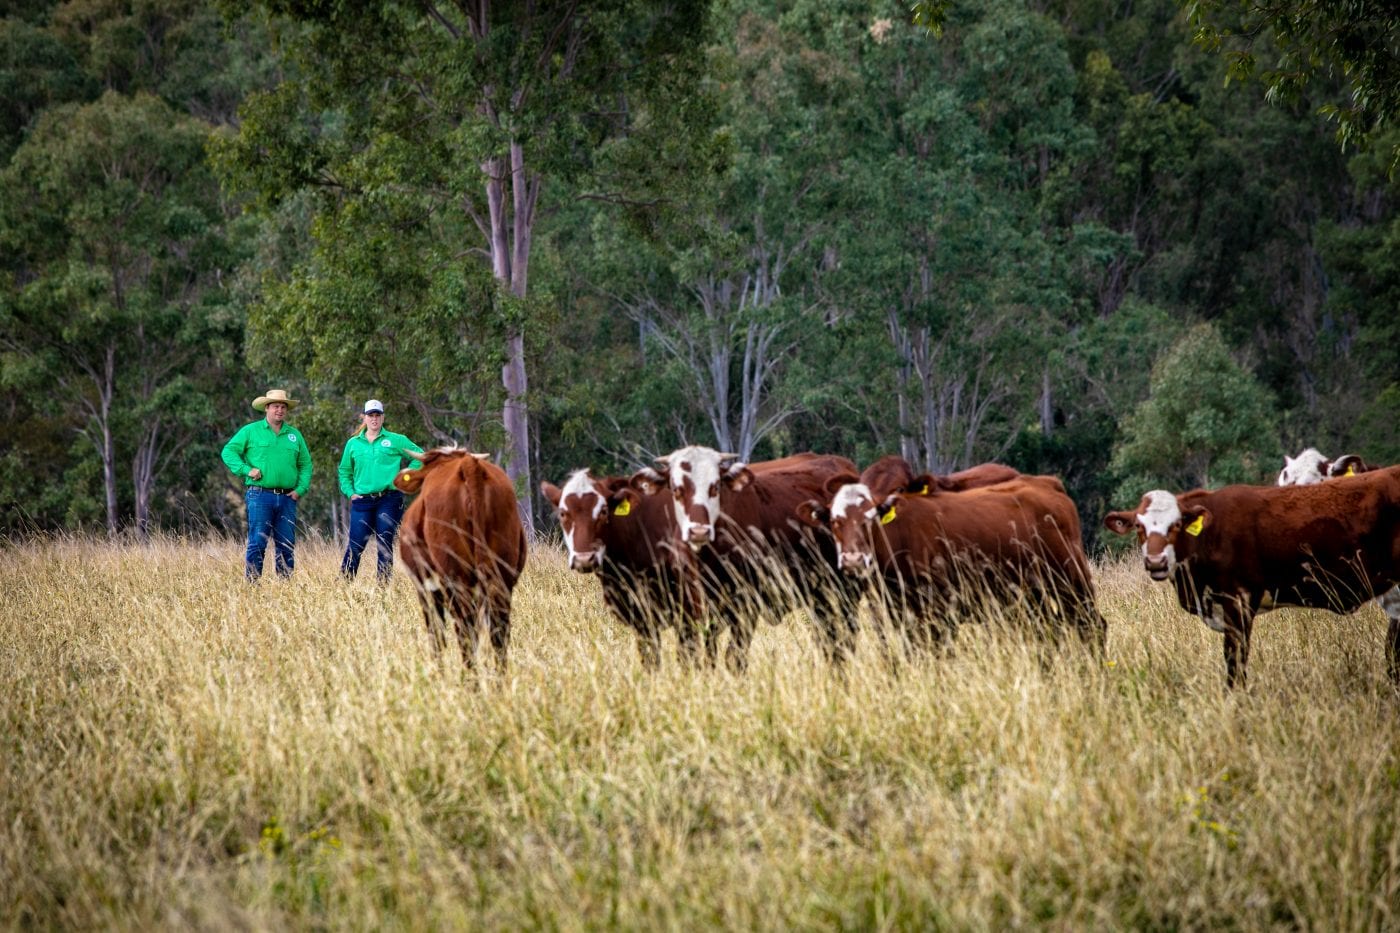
(1023, 527)
(465, 524)
(764, 511)
(1333, 545)
(984, 474)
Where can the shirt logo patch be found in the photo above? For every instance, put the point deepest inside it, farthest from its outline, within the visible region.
(385, 443)
(292, 438)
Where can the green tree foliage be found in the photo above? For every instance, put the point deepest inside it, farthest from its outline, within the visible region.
(812, 224)
(1352, 41)
(37, 71)
(467, 116)
(1206, 422)
(939, 239)
(116, 228)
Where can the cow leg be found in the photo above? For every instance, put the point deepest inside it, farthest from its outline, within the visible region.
(649, 647)
(688, 639)
(466, 610)
(1238, 622)
(433, 599)
(835, 629)
(1390, 604)
(736, 655)
(1083, 618)
(497, 609)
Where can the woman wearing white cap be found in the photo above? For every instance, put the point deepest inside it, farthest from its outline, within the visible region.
(372, 458)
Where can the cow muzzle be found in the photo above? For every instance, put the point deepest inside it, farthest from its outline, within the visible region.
(586, 563)
(697, 536)
(856, 565)
(1158, 568)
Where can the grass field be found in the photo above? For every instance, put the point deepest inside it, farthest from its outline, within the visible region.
(183, 750)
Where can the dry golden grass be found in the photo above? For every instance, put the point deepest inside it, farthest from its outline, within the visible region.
(183, 750)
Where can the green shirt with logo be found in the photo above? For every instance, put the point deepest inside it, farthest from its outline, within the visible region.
(369, 466)
(283, 456)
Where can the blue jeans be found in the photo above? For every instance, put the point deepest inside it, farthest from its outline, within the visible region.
(378, 514)
(270, 514)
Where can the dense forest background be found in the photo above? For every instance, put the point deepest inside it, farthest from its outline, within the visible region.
(1051, 235)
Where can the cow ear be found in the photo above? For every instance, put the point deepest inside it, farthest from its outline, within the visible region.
(409, 481)
(647, 481)
(623, 501)
(1345, 465)
(738, 476)
(812, 514)
(551, 492)
(1120, 523)
(1195, 519)
(922, 485)
(834, 484)
(886, 507)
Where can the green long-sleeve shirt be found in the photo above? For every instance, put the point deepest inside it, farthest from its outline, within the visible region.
(368, 466)
(283, 456)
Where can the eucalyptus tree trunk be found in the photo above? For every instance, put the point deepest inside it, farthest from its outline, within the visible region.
(97, 406)
(943, 401)
(511, 195)
(710, 343)
(144, 467)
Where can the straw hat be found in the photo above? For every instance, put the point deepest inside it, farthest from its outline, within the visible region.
(274, 395)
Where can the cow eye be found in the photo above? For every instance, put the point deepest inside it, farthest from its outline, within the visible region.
(714, 490)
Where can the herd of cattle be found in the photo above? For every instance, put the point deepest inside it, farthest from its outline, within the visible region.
(705, 544)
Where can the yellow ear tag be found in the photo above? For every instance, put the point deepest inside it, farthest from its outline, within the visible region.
(887, 517)
(1351, 471)
(624, 508)
(1195, 527)
(923, 491)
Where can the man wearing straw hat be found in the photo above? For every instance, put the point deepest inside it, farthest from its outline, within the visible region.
(274, 461)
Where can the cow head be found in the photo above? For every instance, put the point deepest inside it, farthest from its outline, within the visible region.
(1160, 522)
(1348, 465)
(851, 518)
(1307, 469)
(411, 480)
(585, 506)
(695, 476)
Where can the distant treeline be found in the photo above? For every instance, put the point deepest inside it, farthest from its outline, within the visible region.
(1051, 236)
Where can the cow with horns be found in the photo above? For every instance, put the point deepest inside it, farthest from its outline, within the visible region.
(649, 581)
(463, 544)
(1242, 550)
(753, 557)
(995, 540)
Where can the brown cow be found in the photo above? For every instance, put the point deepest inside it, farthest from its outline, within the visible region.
(629, 540)
(1243, 550)
(1005, 542)
(753, 557)
(464, 546)
(891, 474)
(1312, 467)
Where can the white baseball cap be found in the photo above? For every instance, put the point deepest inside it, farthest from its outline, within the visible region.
(374, 406)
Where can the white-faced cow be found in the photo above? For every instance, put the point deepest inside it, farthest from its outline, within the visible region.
(649, 582)
(1242, 550)
(464, 546)
(1311, 467)
(755, 559)
(1015, 541)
